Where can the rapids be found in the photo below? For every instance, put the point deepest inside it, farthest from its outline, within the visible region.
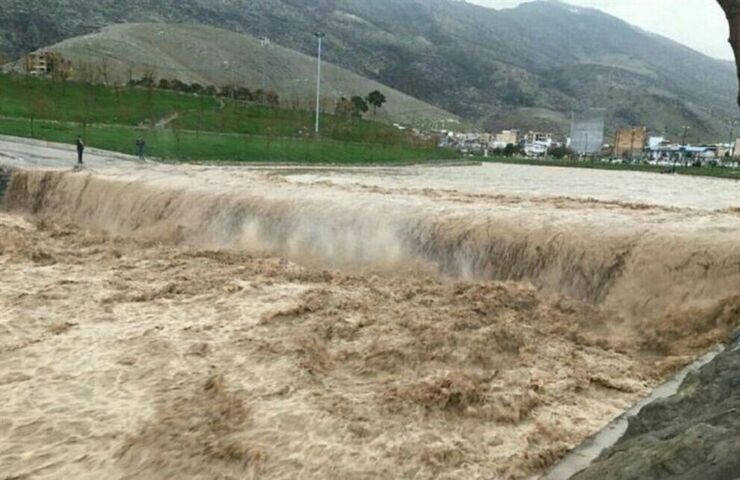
(639, 258)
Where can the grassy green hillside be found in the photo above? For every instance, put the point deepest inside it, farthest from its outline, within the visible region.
(195, 127)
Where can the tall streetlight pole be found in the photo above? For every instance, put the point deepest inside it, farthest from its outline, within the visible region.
(732, 124)
(320, 36)
(683, 144)
(264, 43)
(685, 130)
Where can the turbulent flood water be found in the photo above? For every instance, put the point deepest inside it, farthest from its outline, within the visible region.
(531, 182)
(638, 243)
(449, 322)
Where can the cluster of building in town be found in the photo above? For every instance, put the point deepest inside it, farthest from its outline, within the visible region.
(630, 144)
(513, 141)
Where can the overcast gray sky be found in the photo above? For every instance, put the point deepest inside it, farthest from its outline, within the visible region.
(699, 24)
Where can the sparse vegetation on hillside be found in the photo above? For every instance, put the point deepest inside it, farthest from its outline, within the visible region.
(244, 94)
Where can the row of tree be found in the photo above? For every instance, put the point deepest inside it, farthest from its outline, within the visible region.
(357, 106)
(509, 151)
(346, 107)
(265, 97)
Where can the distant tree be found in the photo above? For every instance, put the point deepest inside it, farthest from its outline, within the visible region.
(147, 80)
(509, 150)
(117, 94)
(344, 108)
(376, 99)
(244, 94)
(228, 91)
(211, 91)
(359, 105)
(293, 103)
(195, 88)
(272, 98)
(165, 84)
(86, 72)
(559, 152)
(104, 68)
(27, 66)
(178, 85)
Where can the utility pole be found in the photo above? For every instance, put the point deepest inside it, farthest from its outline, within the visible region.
(683, 144)
(264, 43)
(320, 36)
(732, 124)
(685, 134)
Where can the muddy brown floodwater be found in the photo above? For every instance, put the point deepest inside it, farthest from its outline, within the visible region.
(224, 323)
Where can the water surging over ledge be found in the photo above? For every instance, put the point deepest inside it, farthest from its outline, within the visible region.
(639, 273)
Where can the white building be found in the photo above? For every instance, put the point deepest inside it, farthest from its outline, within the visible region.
(536, 149)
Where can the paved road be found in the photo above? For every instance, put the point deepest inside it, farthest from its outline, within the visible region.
(27, 154)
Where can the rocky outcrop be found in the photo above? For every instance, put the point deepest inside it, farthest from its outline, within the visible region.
(693, 435)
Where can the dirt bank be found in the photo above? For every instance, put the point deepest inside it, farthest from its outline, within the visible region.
(126, 359)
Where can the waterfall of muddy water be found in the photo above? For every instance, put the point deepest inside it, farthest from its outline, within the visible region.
(475, 323)
(638, 258)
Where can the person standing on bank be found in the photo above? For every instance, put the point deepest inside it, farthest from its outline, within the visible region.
(80, 150)
(140, 148)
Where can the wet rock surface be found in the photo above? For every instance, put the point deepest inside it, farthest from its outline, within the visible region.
(693, 435)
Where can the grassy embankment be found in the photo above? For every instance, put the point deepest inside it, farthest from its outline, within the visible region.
(717, 172)
(205, 128)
